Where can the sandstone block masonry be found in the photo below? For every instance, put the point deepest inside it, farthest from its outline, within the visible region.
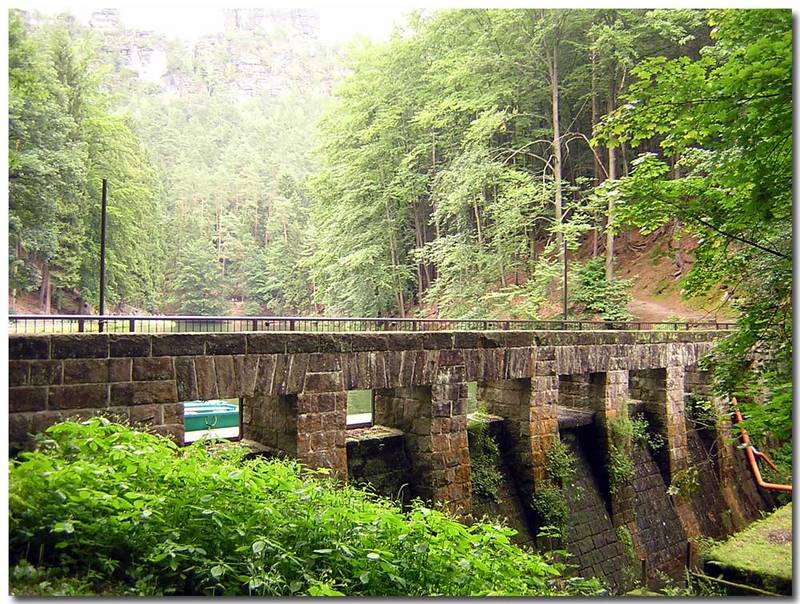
(294, 387)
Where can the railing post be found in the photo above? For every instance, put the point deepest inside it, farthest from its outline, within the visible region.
(291, 325)
(132, 325)
(80, 325)
(254, 325)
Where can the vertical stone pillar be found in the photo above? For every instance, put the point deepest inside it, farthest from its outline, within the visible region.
(613, 386)
(612, 389)
(434, 422)
(675, 421)
(322, 422)
(309, 425)
(678, 443)
(451, 475)
(543, 415)
(511, 400)
(271, 421)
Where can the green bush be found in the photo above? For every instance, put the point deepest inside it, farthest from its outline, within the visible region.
(551, 506)
(550, 499)
(101, 500)
(625, 432)
(484, 453)
(641, 433)
(620, 464)
(597, 296)
(620, 468)
(685, 483)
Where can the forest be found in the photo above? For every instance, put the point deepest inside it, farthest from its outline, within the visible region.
(443, 173)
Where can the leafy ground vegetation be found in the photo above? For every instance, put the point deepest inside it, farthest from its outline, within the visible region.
(101, 508)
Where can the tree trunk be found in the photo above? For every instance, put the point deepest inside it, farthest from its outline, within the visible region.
(219, 234)
(44, 288)
(423, 279)
(478, 222)
(595, 158)
(612, 175)
(393, 254)
(624, 154)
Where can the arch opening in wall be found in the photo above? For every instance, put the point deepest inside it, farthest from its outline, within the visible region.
(472, 397)
(360, 408)
(212, 419)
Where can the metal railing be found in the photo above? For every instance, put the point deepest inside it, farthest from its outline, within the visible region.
(35, 324)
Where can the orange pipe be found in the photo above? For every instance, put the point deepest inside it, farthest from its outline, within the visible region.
(751, 457)
(766, 458)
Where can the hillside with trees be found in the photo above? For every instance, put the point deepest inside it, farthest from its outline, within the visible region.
(446, 172)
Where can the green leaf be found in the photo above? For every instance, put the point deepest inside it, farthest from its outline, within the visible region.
(258, 546)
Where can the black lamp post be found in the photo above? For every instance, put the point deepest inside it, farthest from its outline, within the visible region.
(103, 253)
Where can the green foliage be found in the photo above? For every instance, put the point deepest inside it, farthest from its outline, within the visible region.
(782, 457)
(438, 157)
(137, 510)
(198, 166)
(631, 572)
(640, 433)
(561, 463)
(28, 580)
(620, 465)
(595, 295)
(704, 413)
(550, 501)
(551, 506)
(198, 283)
(625, 432)
(620, 468)
(624, 536)
(724, 118)
(63, 140)
(685, 483)
(484, 454)
(694, 586)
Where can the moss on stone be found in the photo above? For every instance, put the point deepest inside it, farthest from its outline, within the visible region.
(761, 554)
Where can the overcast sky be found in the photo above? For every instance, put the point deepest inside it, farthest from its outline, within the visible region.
(338, 23)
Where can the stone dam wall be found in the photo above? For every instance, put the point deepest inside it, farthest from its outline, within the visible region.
(541, 388)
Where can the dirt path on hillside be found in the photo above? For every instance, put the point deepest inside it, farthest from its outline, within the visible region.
(651, 310)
